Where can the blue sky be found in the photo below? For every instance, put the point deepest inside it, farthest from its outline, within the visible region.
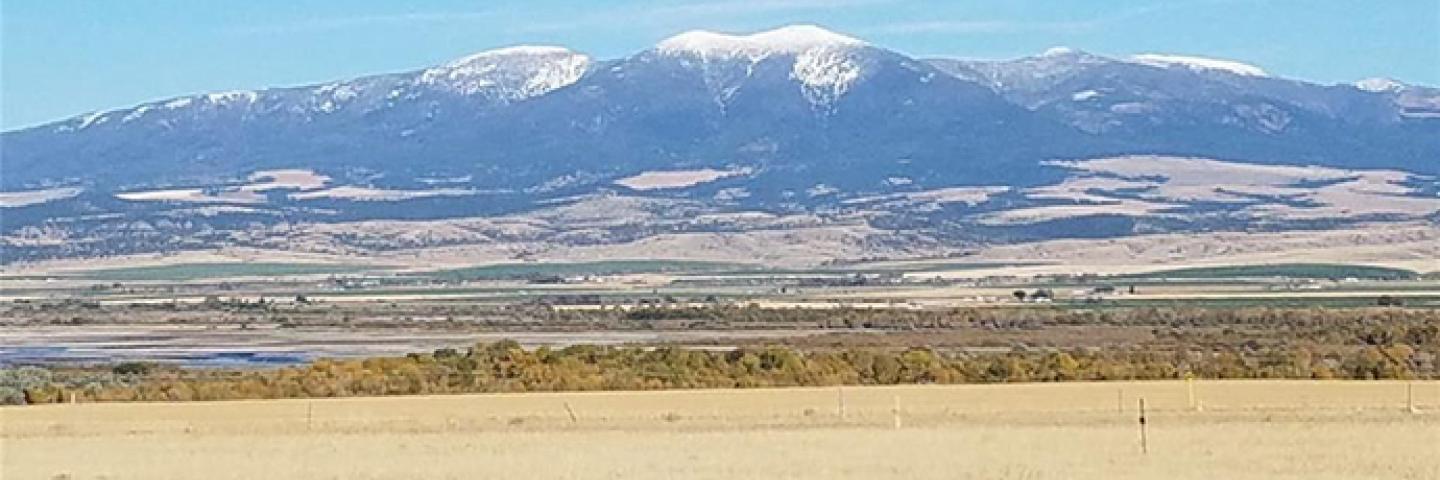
(65, 57)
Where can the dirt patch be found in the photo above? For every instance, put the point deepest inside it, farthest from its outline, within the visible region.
(657, 180)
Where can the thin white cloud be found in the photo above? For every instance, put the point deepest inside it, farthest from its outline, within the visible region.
(758, 6)
(668, 15)
(688, 14)
(982, 26)
(361, 21)
(1010, 26)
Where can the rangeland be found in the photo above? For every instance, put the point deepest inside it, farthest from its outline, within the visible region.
(1410, 246)
(1235, 430)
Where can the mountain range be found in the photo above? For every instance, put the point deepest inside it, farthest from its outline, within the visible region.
(796, 124)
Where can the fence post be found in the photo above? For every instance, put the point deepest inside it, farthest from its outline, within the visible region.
(840, 399)
(1190, 389)
(309, 415)
(1144, 441)
(1410, 397)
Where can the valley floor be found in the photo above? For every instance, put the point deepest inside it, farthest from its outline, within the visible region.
(1237, 430)
(1407, 245)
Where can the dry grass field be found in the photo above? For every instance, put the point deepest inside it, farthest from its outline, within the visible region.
(1409, 245)
(1242, 430)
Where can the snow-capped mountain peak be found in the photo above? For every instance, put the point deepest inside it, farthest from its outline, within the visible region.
(792, 39)
(510, 73)
(1198, 63)
(825, 64)
(1379, 85)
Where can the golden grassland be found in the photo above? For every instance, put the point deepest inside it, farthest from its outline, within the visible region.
(1408, 245)
(1237, 430)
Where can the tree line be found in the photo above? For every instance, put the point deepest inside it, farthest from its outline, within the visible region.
(508, 367)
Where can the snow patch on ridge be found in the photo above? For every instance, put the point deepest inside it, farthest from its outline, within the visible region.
(511, 73)
(231, 97)
(92, 118)
(137, 113)
(1379, 85)
(825, 74)
(333, 96)
(1058, 52)
(1198, 63)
